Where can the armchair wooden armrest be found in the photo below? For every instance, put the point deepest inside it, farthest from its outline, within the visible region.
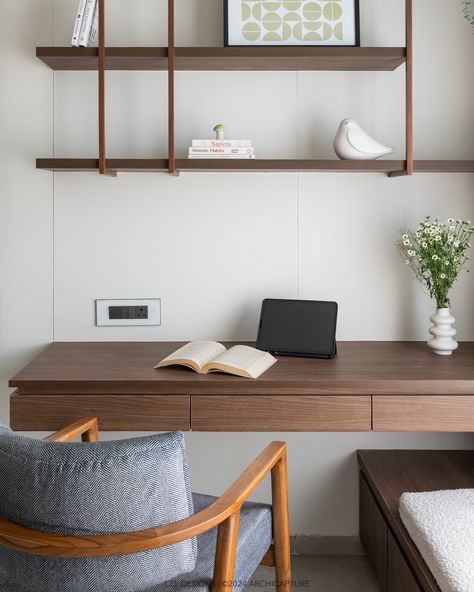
(87, 428)
(224, 513)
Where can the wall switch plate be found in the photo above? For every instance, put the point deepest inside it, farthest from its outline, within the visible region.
(131, 313)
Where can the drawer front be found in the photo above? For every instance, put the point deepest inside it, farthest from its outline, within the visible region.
(280, 414)
(423, 414)
(115, 412)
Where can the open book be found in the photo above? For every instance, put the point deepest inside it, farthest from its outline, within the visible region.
(210, 356)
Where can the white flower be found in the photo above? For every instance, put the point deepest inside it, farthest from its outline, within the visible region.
(456, 244)
(452, 228)
(435, 257)
(405, 237)
(407, 262)
(418, 234)
(438, 238)
(411, 253)
(443, 276)
(450, 238)
(447, 262)
(407, 243)
(424, 245)
(450, 220)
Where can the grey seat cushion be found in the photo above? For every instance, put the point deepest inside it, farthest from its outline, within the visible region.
(90, 489)
(255, 536)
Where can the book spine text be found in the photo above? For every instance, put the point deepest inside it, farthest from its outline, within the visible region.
(199, 150)
(94, 32)
(78, 23)
(221, 156)
(222, 143)
(87, 22)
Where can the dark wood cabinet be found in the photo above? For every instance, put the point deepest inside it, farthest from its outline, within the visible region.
(373, 533)
(399, 575)
(384, 476)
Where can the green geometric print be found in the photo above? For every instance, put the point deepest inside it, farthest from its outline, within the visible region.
(275, 21)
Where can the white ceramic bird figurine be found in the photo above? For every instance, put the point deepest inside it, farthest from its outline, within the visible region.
(353, 143)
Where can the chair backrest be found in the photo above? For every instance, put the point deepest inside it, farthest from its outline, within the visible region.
(91, 489)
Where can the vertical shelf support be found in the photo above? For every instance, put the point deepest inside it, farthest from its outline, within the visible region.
(102, 157)
(171, 67)
(409, 166)
(409, 85)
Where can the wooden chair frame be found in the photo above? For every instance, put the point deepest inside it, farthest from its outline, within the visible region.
(224, 513)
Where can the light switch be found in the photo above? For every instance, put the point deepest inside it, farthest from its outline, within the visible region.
(122, 313)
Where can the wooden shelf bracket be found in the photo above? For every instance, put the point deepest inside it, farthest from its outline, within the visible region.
(171, 68)
(103, 170)
(409, 163)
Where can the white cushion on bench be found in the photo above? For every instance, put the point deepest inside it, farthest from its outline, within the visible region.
(441, 524)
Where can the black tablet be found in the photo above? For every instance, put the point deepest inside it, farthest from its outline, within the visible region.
(305, 328)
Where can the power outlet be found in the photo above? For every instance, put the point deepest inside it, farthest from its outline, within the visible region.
(123, 313)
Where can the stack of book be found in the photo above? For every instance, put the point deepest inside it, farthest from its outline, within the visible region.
(86, 27)
(238, 149)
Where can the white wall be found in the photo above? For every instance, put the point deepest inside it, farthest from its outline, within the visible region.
(213, 245)
(26, 195)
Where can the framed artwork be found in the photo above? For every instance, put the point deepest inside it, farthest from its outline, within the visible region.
(291, 22)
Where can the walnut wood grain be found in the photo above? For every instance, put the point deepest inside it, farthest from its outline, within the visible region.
(87, 428)
(226, 551)
(389, 473)
(114, 412)
(361, 368)
(281, 524)
(423, 414)
(285, 414)
(391, 167)
(226, 58)
(399, 575)
(45, 544)
(373, 533)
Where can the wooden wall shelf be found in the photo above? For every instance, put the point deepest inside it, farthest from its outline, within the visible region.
(258, 165)
(226, 58)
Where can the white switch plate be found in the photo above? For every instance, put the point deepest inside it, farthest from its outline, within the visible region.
(103, 314)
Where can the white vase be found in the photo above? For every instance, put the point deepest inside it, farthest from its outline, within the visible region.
(443, 332)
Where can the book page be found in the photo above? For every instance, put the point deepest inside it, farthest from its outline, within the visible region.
(242, 357)
(199, 352)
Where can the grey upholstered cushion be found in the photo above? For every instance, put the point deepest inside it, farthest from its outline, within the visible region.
(94, 488)
(255, 536)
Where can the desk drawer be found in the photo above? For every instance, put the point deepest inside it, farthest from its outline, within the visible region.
(280, 413)
(423, 413)
(115, 412)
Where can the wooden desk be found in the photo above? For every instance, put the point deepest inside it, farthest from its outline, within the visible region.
(370, 386)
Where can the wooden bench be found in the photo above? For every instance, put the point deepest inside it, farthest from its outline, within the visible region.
(384, 476)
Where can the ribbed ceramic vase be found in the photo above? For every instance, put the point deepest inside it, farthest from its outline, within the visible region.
(443, 332)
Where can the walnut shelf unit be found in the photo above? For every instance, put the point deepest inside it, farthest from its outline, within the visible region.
(258, 165)
(172, 59)
(226, 58)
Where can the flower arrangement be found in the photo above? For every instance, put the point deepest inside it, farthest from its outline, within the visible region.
(437, 253)
(468, 11)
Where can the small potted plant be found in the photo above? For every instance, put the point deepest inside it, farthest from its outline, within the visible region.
(437, 253)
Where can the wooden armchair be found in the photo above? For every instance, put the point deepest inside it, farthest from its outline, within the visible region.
(223, 513)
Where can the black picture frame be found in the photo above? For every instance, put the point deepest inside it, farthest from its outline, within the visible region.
(356, 25)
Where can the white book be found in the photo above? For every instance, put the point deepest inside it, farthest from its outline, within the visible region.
(211, 356)
(221, 156)
(222, 143)
(78, 23)
(199, 150)
(94, 32)
(87, 22)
